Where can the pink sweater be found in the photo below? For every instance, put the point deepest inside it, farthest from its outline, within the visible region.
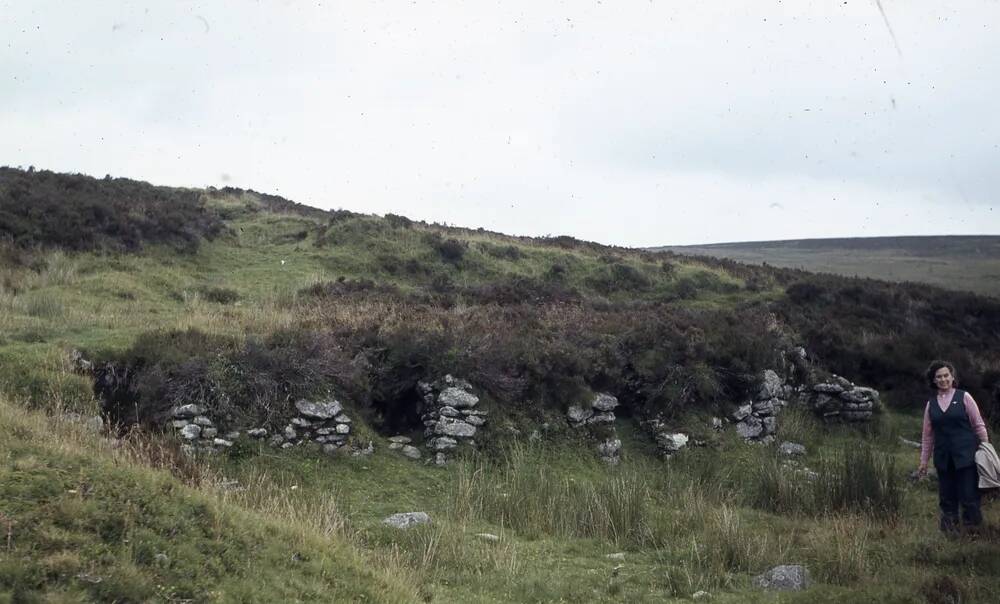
(943, 400)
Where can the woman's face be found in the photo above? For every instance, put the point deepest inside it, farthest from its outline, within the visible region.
(943, 378)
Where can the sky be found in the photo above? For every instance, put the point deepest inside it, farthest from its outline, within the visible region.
(633, 123)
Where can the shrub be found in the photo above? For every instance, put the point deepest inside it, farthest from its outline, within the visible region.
(219, 295)
(451, 250)
(398, 222)
(78, 212)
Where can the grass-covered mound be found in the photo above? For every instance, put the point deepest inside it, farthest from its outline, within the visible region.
(84, 522)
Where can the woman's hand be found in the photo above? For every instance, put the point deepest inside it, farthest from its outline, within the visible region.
(922, 471)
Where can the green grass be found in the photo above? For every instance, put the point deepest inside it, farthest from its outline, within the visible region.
(308, 527)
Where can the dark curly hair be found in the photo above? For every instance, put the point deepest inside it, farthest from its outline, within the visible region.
(933, 368)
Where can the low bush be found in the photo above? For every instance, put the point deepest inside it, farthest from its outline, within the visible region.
(76, 212)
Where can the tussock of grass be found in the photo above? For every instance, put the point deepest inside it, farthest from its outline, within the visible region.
(856, 479)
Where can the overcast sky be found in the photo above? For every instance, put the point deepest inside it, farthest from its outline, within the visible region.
(632, 123)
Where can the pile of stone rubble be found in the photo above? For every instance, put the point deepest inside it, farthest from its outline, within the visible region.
(451, 417)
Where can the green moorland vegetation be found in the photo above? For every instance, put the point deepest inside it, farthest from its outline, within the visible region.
(244, 302)
(960, 262)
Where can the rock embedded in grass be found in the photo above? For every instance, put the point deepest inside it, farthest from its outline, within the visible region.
(578, 414)
(411, 452)
(790, 449)
(787, 577)
(404, 520)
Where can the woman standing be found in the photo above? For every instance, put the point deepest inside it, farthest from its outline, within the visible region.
(953, 429)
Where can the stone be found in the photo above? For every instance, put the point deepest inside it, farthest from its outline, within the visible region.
(602, 418)
(457, 398)
(716, 423)
(287, 445)
(750, 427)
(909, 443)
(770, 424)
(191, 431)
(449, 411)
(791, 449)
(400, 439)
(772, 385)
(787, 577)
(616, 556)
(454, 428)
(856, 395)
(257, 433)
(209, 432)
(443, 443)
(395, 446)
(290, 433)
(325, 410)
(742, 412)
(475, 420)
(162, 560)
(863, 406)
(578, 414)
(488, 537)
(825, 402)
(610, 447)
(232, 435)
(188, 411)
(367, 450)
(700, 595)
(440, 459)
(179, 423)
(671, 442)
(326, 431)
(407, 519)
(604, 402)
(202, 421)
(411, 452)
(301, 422)
(343, 428)
(535, 436)
(221, 442)
(763, 408)
(330, 449)
(276, 440)
(342, 419)
(827, 388)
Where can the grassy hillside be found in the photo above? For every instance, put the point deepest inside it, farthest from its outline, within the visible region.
(276, 301)
(965, 263)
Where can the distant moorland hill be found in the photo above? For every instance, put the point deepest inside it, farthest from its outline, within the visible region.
(960, 262)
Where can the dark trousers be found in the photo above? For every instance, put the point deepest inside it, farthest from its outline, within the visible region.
(959, 486)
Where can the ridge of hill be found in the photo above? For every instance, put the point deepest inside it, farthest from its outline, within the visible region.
(958, 262)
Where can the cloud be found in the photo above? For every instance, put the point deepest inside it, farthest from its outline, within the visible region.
(638, 123)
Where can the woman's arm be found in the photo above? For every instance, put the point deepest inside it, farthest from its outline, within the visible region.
(975, 418)
(926, 439)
